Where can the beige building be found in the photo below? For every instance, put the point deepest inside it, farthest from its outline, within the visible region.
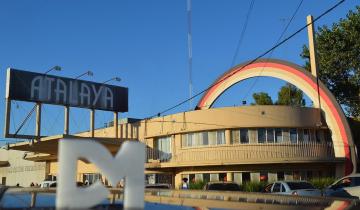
(257, 143)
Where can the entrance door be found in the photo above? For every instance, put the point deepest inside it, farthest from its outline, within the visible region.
(3, 180)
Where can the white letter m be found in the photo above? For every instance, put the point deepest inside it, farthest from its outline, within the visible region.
(128, 162)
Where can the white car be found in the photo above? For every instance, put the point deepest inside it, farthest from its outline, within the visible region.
(47, 184)
(348, 186)
(292, 188)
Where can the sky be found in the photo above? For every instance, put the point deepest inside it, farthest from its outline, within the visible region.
(145, 44)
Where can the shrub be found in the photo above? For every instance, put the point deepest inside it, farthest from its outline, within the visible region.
(198, 185)
(253, 186)
(322, 183)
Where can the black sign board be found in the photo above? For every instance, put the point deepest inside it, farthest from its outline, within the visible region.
(49, 89)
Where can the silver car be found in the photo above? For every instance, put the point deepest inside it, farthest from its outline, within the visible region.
(302, 188)
(348, 186)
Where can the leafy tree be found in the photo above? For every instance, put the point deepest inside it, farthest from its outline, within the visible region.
(262, 99)
(338, 50)
(290, 95)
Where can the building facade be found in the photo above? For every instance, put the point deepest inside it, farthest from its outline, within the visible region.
(246, 143)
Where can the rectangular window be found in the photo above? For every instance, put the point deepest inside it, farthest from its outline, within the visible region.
(270, 135)
(318, 135)
(235, 136)
(214, 177)
(220, 137)
(278, 135)
(300, 135)
(245, 177)
(198, 177)
(293, 135)
(206, 177)
(222, 177)
(212, 137)
(244, 136)
(280, 175)
(306, 135)
(205, 138)
(261, 135)
(163, 146)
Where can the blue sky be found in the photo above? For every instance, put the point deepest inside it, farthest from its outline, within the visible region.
(145, 43)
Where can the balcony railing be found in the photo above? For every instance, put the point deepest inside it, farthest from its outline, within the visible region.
(244, 153)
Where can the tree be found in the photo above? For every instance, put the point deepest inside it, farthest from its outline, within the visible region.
(262, 99)
(290, 95)
(338, 50)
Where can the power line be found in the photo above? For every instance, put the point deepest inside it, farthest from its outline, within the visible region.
(242, 33)
(271, 53)
(252, 61)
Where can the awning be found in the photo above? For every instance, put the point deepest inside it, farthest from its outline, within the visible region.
(49, 145)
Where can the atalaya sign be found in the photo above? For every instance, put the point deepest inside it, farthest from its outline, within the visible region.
(128, 163)
(35, 87)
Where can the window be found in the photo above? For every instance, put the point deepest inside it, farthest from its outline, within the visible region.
(276, 187)
(280, 175)
(206, 177)
(270, 135)
(261, 135)
(235, 136)
(245, 177)
(306, 135)
(293, 135)
(212, 138)
(91, 178)
(244, 136)
(263, 176)
(283, 188)
(300, 135)
(163, 146)
(318, 135)
(214, 177)
(203, 138)
(220, 137)
(278, 135)
(222, 177)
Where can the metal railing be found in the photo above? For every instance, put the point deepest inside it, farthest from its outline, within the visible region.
(247, 153)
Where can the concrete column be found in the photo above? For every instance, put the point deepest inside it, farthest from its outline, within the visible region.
(178, 181)
(38, 121)
(116, 122)
(312, 45)
(228, 137)
(92, 123)
(229, 176)
(66, 120)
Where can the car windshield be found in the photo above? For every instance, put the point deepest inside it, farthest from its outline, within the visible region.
(300, 185)
(224, 186)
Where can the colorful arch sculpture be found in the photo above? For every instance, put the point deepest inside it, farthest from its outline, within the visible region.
(304, 80)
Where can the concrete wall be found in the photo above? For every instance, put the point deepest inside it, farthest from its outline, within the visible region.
(21, 171)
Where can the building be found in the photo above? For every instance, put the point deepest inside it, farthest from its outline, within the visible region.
(244, 143)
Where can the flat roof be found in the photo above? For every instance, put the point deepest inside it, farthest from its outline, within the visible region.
(49, 144)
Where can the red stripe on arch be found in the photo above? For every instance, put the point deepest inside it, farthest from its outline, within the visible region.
(304, 77)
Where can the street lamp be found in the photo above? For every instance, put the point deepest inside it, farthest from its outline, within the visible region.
(89, 73)
(117, 79)
(56, 68)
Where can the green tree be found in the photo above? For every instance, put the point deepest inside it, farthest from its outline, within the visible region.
(290, 95)
(338, 50)
(262, 99)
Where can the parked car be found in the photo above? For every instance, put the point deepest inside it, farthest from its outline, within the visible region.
(222, 186)
(47, 184)
(348, 186)
(158, 186)
(302, 188)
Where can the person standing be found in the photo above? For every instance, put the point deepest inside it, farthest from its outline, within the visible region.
(185, 184)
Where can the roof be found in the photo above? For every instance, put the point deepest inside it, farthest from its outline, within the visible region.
(49, 145)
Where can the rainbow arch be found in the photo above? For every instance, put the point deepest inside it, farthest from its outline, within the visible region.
(305, 81)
